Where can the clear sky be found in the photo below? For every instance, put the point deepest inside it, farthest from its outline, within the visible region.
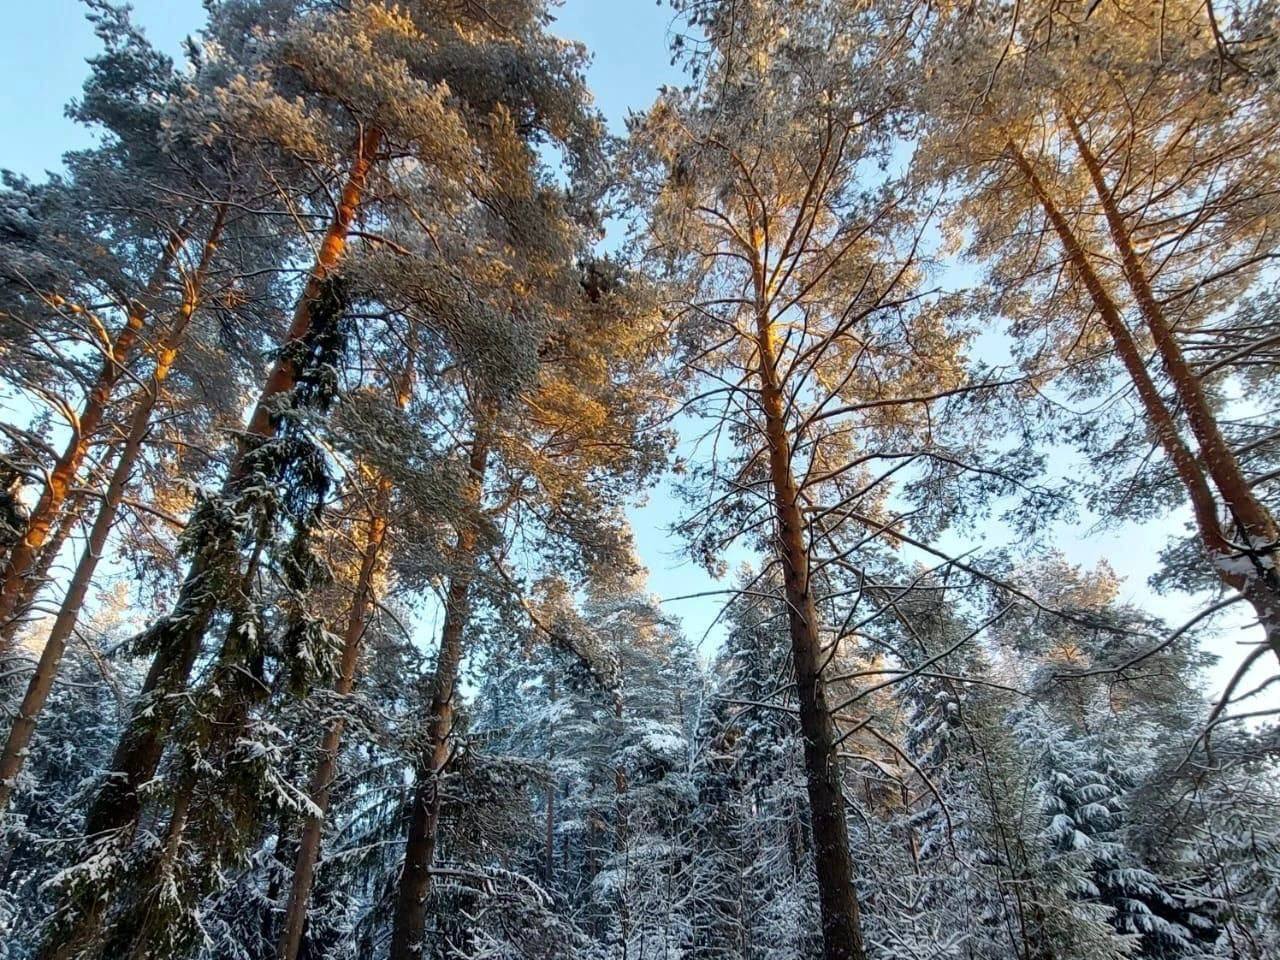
(43, 51)
(44, 46)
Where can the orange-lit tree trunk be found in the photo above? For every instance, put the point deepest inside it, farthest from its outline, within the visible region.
(39, 575)
(841, 928)
(138, 753)
(41, 683)
(308, 855)
(1253, 521)
(113, 814)
(58, 485)
(1159, 416)
(409, 925)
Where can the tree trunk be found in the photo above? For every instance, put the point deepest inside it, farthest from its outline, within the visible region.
(841, 933)
(622, 833)
(409, 927)
(549, 839)
(15, 751)
(1253, 521)
(309, 844)
(149, 920)
(1188, 468)
(24, 553)
(1220, 463)
(39, 575)
(295, 917)
(114, 812)
(134, 933)
(138, 755)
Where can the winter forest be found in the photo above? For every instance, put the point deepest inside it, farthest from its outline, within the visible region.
(343, 370)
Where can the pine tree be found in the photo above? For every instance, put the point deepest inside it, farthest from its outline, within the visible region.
(1064, 152)
(553, 466)
(84, 279)
(795, 282)
(243, 97)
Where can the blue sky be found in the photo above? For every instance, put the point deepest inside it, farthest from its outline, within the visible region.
(44, 49)
(45, 44)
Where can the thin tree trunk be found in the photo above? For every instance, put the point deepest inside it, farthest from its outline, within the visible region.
(15, 750)
(138, 754)
(128, 936)
(58, 486)
(621, 835)
(309, 844)
(283, 853)
(39, 576)
(113, 814)
(295, 917)
(409, 926)
(1216, 455)
(841, 933)
(549, 841)
(1251, 517)
(1188, 468)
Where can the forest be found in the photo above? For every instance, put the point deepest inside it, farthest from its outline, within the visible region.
(335, 370)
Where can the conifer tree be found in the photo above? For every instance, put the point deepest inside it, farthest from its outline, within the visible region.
(1095, 136)
(84, 278)
(552, 465)
(795, 283)
(400, 111)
